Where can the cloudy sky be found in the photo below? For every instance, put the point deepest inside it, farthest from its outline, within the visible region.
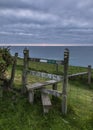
(46, 22)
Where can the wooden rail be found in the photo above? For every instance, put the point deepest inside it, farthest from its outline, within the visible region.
(52, 92)
(78, 74)
(53, 76)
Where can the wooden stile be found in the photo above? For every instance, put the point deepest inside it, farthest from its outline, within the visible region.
(41, 86)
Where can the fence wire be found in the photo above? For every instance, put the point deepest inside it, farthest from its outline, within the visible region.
(80, 99)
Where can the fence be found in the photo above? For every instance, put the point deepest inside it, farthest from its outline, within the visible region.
(65, 79)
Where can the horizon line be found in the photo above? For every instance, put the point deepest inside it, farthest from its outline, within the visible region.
(43, 44)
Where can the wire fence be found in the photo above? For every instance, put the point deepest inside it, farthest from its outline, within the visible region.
(80, 98)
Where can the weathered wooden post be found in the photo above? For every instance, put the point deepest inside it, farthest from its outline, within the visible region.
(13, 70)
(54, 87)
(1, 92)
(89, 74)
(56, 67)
(65, 82)
(27, 58)
(31, 96)
(25, 68)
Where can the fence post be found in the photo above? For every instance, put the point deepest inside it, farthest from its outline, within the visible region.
(13, 70)
(1, 92)
(56, 68)
(24, 73)
(27, 58)
(89, 74)
(65, 82)
(54, 87)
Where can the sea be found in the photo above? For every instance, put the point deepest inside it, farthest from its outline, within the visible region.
(79, 55)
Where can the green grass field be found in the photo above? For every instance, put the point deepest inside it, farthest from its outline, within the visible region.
(16, 113)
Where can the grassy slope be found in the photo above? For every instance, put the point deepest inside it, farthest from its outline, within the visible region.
(16, 113)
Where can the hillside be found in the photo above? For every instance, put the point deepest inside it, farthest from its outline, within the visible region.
(17, 113)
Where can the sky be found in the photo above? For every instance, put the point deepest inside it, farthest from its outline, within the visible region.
(56, 22)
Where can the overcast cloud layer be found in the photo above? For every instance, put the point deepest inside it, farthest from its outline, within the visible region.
(46, 21)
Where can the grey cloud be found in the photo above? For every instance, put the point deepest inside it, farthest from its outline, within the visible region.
(42, 16)
(27, 16)
(63, 10)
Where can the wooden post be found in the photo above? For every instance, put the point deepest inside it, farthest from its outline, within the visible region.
(31, 96)
(65, 82)
(89, 74)
(54, 87)
(27, 58)
(25, 68)
(1, 92)
(56, 67)
(13, 70)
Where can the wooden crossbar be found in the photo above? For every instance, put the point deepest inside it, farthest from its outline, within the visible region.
(52, 92)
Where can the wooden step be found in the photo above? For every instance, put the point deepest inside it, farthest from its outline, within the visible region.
(40, 85)
(46, 102)
(30, 87)
(31, 97)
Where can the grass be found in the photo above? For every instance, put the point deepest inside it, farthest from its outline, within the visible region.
(16, 113)
(51, 68)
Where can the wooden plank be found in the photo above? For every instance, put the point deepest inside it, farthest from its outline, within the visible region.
(51, 81)
(46, 75)
(31, 96)
(34, 86)
(45, 99)
(46, 102)
(77, 74)
(39, 85)
(52, 92)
